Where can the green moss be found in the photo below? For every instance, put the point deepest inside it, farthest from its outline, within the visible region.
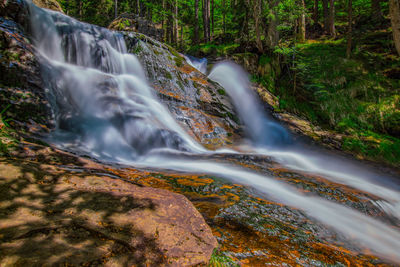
(221, 92)
(219, 259)
(168, 75)
(138, 48)
(178, 61)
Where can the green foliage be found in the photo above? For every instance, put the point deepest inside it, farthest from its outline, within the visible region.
(343, 94)
(213, 49)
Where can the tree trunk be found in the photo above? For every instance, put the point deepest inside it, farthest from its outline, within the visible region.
(350, 28)
(302, 23)
(116, 8)
(196, 21)
(170, 23)
(394, 10)
(80, 9)
(326, 14)
(272, 37)
(182, 36)
(257, 9)
(212, 19)
(332, 31)
(163, 24)
(315, 12)
(176, 26)
(376, 11)
(206, 20)
(138, 7)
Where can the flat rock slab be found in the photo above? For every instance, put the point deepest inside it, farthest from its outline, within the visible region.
(52, 216)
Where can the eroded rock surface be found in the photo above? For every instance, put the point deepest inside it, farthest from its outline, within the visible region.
(57, 209)
(199, 104)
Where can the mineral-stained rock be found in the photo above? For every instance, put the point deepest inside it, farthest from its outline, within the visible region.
(199, 104)
(57, 216)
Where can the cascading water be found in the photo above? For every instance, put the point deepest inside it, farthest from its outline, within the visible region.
(104, 107)
(199, 64)
(261, 129)
(101, 100)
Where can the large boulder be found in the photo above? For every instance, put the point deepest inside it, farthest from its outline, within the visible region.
(55, 216)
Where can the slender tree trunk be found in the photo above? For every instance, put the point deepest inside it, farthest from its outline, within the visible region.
(182, 35)
(170, 22)
(176, 26)
(206, 20)
(257, 7)
(326, 14)
(376, 11)
(80, 9)
(138, 7)
(315, 12)
(116, 8)
(350, 28)
(332, 31)
(302, 23)
(212, 19)
(196, 21)
(272, 37)
(394, 10)
(163, 21)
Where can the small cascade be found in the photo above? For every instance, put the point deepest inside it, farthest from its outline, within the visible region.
(260, 128)
(198, 63)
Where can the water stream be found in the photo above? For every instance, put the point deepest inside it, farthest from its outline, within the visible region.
(104, 107)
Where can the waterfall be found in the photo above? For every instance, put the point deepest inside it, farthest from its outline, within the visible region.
(104, 107)
(102, 102)
(261, 129)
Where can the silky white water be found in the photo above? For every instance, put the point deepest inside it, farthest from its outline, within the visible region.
(104, 107)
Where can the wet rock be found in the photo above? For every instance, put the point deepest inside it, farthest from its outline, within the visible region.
(199, 104)
(22, 94)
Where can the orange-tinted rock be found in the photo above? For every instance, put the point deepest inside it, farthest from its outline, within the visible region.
(198, 104)
(58, 216)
